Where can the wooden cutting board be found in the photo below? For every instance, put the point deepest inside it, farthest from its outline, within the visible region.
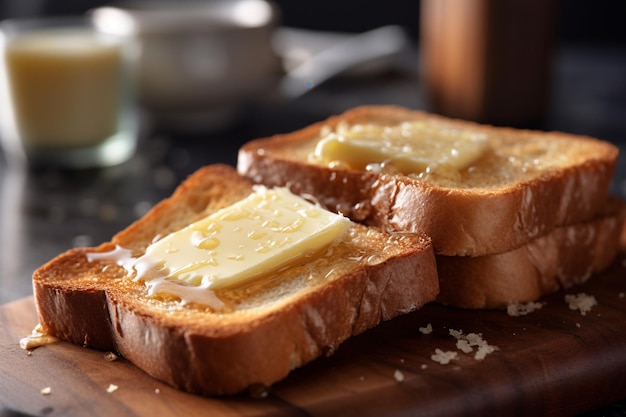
(552, 361)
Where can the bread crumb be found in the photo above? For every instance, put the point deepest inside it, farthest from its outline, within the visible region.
(578, 325)
(424, 366)
(521, 309)
(621, 295)
(110, 357)
(398, 375)
(46, 391)
(467, 342)
(484, 350)
(157, 391)
(442, 357)
(457, 334)
(464, 346)
(112, 388)
(426, 330)
(581, 302)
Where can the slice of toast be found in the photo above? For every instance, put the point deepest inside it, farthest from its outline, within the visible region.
(565, 256)
(271, 327)
(525, 184)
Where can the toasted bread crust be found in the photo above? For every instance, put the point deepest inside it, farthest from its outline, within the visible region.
(455, 218)
(565, 256)
(208, 353)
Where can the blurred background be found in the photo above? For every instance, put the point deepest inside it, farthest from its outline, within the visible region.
(579, 21)
(207, 87)
(324, 57)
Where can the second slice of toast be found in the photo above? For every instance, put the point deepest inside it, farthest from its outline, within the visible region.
(525, 184)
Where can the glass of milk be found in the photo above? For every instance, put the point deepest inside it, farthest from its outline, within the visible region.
(66, 98)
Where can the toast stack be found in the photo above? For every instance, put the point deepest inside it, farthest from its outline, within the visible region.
(440, 210)
(528, 214)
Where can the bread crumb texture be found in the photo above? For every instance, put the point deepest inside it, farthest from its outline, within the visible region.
(398, 375)
(428, 329)
(112, 388)
(46, 391)
(110, 357)
(472, 342)
(521, 309)
(443, 357)
(581, 302)
(465, 343)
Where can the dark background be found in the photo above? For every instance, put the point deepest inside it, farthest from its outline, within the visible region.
(580, 21)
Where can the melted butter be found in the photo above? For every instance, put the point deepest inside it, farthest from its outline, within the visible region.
(36, 339)
(407, 148)
(355, 248)
(248, 241)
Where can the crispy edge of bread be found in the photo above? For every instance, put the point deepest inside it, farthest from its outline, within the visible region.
(459, 221)
(111, 316)
(564, 257)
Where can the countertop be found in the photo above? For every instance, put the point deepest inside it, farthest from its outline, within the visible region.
(45, 212)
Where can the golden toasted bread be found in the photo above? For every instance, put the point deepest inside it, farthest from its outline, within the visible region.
(271, 326)
(523, 185)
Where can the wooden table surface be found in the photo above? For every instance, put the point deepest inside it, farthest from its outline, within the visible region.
(554, 361)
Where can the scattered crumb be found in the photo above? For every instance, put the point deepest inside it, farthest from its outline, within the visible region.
(112, 388)
(578, 325)
(521, 309)
(467, 343)
(401, 360)
(398, 375)
(361, 378)
(157, 391)
(442, 357)
(621, 295)
(110, 357)
(46, 391)
(483, 351)
(581, 302)
(424, 366)
(426, 330)
(464, 346)
(457, 334)
(29, 353)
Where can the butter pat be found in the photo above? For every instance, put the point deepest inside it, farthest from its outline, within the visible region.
(267, 230)
(411, 147)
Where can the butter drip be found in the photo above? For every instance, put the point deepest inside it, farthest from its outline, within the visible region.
(407, 148)
(266, 231)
